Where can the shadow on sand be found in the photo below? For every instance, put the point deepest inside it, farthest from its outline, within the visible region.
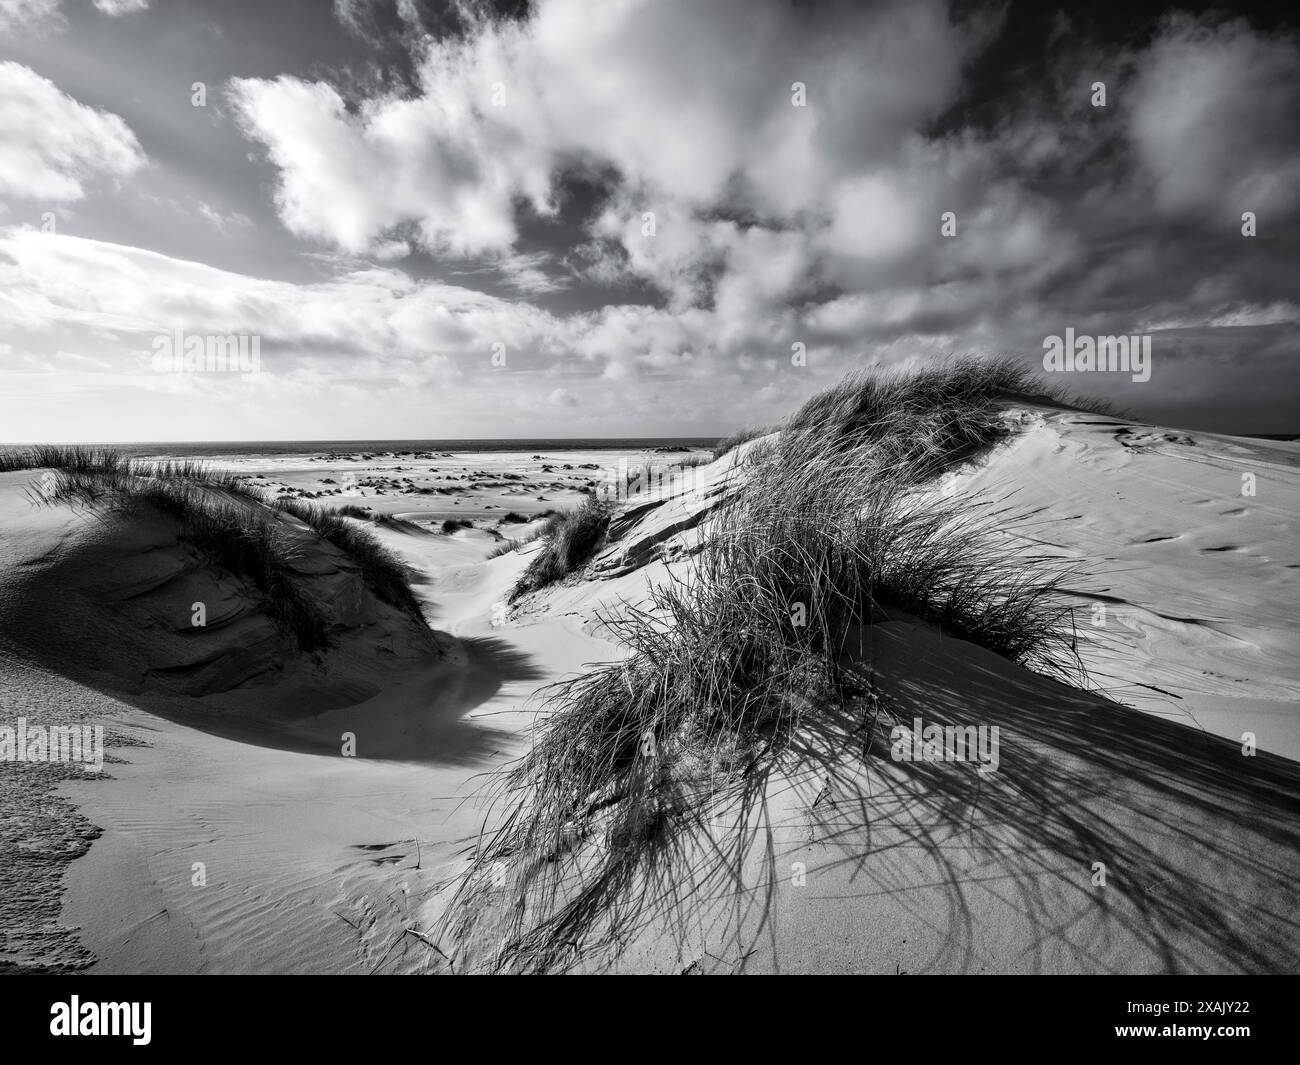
(827, 855)
(90, 612)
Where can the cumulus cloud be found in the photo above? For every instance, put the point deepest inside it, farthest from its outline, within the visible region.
(52, 144)
(692, 105)
(353, 179)
(636, 177)
(49, 281)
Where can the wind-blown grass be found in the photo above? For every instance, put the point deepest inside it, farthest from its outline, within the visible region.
(571, 539)
(740, 436)
(930, 419)
(383, 572)
(504, 548)
(760, 639)
(226, 518)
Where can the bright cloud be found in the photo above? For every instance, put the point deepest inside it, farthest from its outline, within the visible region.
(52, 145)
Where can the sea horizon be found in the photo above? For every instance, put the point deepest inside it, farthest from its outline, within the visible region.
(188, 448)
(192, 448)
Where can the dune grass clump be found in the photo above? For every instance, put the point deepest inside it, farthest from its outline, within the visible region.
(545, 529)
(383, 572)
(238, 532)
(228, 519)
(75, 458)
(504, 548)
(761, 639)
(452, 525)
(930, 420)
(108, 469)
(740, 436)
(571, 539)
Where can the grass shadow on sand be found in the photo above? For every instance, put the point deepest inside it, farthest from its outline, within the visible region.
(988, 873)
(1201, 844)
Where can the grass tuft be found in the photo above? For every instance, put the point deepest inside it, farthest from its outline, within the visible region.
(740, 436)
(228, 519)
(383, 572)
(761, 639)
(571, 539)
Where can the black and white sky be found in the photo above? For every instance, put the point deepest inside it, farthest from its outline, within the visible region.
(388, 192)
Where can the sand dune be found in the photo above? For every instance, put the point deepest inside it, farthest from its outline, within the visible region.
(313, 861)
(1199, 582)
(944, 872)
(318, 862)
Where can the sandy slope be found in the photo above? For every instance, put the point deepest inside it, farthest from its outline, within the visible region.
(930, 868)
(1200, 584)
(309, 859)
(312, 860)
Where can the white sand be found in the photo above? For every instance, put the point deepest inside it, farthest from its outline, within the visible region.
(311, 858)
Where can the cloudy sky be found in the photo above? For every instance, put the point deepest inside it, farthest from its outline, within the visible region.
(640, 208)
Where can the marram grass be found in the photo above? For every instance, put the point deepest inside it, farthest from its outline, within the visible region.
(730, 663)
(229, 520)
